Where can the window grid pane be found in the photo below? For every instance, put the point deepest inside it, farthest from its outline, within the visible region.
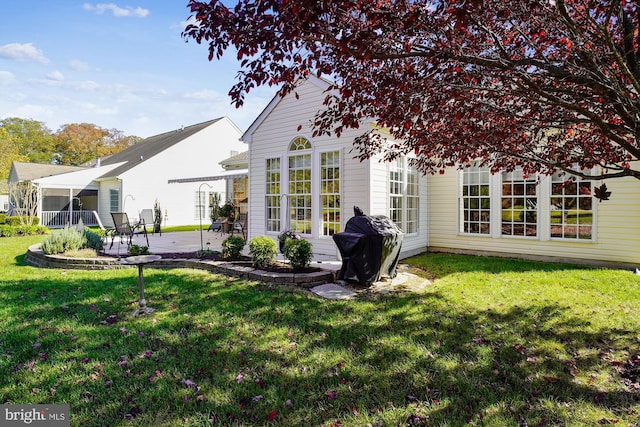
(330, 192)
(396, 192)
(273, 194)
(200, 204)
(412, 210)
(114, 200)
(571, 208)
(475, 201)
(300, 193)
(519, 205)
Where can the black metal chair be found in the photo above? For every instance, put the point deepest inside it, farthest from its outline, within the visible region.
(123, 229)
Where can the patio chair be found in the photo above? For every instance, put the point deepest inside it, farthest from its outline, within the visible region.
(124, 229)
(240, 225)
(147, 219)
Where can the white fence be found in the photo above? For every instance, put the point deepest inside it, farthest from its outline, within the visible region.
(59, 219)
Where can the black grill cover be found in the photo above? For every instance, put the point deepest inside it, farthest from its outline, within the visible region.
(369, 246)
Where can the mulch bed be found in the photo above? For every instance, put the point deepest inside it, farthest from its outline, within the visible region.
(275, 267)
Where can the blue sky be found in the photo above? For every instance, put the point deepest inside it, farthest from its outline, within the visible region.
(118, 65)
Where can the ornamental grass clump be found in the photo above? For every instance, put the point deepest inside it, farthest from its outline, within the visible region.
(298, 252)
(68, 239)
(262, 250)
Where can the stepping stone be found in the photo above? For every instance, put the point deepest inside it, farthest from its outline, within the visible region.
(333, 291)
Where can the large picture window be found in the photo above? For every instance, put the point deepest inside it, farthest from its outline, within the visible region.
(273, 194)
(330, 192)
(475, 201)
(555, 207)
(519, 205)
(300, 206)
(571, 208)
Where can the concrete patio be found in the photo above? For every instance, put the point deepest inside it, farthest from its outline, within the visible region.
(189, 241)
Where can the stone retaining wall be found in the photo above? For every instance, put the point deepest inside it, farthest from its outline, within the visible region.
(36, 257)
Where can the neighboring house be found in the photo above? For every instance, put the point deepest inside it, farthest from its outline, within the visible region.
(136, 177)
(310, 184)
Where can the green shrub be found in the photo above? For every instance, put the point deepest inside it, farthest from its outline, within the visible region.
(7, 230)
(22, 230)
(94, 240)
(65, 240)
(298, 252)
(138, 250)
(262, 250)
(30, 230)
(232, 246)
(3, 219)
(14, 221)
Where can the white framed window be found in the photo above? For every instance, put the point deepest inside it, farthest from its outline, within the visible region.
(519, 205)
(300, 203)
(571, 208)
(330, 192)
(272, 194)
(403, 195)
(201, 201)
(555, 207)
(114, 200)
(475, 200)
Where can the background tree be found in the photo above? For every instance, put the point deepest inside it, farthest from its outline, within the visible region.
(33, 140)
(77, 143)
(10, 153)
(545, 85)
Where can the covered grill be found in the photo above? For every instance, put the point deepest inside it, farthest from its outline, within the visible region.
(369, 246)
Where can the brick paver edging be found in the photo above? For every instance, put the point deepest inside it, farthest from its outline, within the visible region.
(36, 257)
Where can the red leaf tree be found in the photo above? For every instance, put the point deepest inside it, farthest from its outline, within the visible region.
(545, 85)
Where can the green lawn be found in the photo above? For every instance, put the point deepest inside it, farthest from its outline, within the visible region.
(492, 342)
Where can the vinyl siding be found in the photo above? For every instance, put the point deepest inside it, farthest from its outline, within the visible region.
(363, 184)
(617, 228)
(196, 156)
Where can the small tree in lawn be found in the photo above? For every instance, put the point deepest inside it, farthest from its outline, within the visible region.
(23, 197)
(538, 84)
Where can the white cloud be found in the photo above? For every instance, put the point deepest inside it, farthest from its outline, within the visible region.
(117, 11)
(55, 75)
(22, 52)
(7, 77)
(204, 95)
(77, 65)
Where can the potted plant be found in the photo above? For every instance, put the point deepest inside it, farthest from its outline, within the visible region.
(228, 210)
(284, 236)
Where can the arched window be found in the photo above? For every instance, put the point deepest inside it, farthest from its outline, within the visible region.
(300, 143)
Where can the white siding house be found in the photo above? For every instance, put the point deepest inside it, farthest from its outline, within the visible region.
(133, 179)
(311, 184)
(461, 211)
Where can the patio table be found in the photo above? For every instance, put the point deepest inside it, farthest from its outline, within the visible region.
(140, 261)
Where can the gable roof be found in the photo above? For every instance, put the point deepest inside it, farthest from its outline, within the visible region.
(238, 159)
(322, 83)
(29, 171)
(149, 147)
